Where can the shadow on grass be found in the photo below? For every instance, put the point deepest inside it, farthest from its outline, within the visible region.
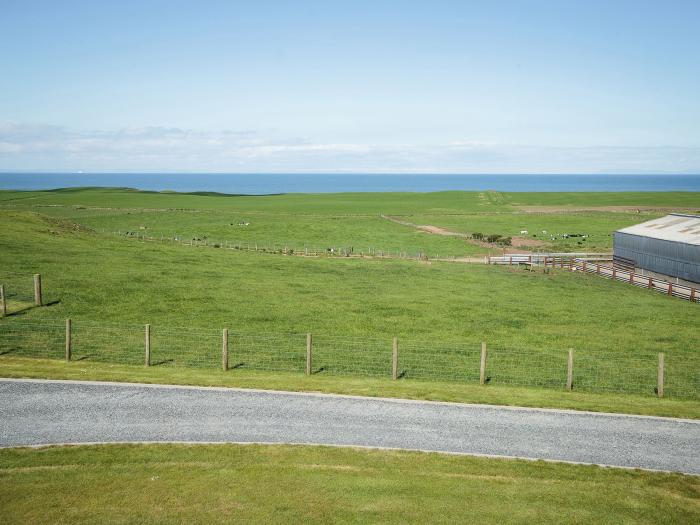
(23, 311)
(163, 362)
(5, 352)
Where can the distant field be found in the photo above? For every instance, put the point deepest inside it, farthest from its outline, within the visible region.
(348, 203)
(553, 230)
(294, 484)
(353, 220)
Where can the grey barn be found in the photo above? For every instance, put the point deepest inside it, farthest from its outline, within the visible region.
(669, 246)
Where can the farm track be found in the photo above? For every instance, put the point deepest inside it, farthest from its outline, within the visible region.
(40, 412)
(518, 242)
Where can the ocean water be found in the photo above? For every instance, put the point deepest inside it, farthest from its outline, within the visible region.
(261, 184)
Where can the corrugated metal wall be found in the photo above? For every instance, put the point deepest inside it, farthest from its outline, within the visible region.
(675, 259)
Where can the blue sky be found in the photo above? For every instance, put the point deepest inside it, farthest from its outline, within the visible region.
(469, 87)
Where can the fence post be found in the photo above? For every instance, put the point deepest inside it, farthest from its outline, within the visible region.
(692, 295)
(482, 368)
(69, 339)
(148, 345)
(309, 344)
(651, 283)
(37, 289)
(394, 358)
(570, 370)
(224, 349)
(670, 288)
(3, 305)
(660, 385)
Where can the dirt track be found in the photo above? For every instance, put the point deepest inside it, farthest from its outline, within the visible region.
(518, 244)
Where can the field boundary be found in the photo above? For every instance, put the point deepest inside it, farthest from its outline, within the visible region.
(594, 264)
(467, 361)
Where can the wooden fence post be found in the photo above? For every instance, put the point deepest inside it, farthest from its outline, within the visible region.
(224, 349)
(651, 283)
(482, 368)
(394, 358)
(69, 339)
(37, 289)
(692, 294)
(148, 345)
(3, 305)
(670, 288)
(660, 385)
(309, 343)
(570, 370)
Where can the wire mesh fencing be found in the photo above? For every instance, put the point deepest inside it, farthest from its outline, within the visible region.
(678, 375)
(19, 292)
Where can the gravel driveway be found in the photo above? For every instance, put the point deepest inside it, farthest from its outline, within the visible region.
(36, 412)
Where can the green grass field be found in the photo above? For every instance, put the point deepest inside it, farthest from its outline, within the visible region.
(350, 219)
(282, 484)
(440, 312)
(302, 484)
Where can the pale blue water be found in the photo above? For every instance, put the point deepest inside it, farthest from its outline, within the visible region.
(241, 183)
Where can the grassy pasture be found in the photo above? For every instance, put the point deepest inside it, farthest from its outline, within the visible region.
(598, 226)
(446, 202)
(666, 199)
(350, 219)
(295, 484)
(440, 312)
(105, 279)
(361, 233)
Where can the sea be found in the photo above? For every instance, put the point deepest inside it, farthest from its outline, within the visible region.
(266, 184)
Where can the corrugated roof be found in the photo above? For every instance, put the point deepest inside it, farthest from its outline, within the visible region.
(675, 227)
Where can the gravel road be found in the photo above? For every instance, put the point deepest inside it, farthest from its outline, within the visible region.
(36, 412)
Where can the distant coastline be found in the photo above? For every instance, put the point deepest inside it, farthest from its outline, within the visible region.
(261, 184)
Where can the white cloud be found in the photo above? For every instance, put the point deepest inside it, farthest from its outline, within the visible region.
(54, 148)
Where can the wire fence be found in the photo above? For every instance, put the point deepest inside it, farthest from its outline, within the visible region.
(20, 292)
(592, 371)
(288, 248)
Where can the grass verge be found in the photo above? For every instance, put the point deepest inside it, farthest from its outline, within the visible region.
(18, 367)
(304, 484)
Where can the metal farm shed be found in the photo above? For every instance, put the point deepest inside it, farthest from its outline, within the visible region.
(669, 246)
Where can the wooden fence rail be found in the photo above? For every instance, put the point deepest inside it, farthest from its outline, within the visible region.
(594, 265)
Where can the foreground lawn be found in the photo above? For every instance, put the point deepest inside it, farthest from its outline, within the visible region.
(300, 484)
(18, 367)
